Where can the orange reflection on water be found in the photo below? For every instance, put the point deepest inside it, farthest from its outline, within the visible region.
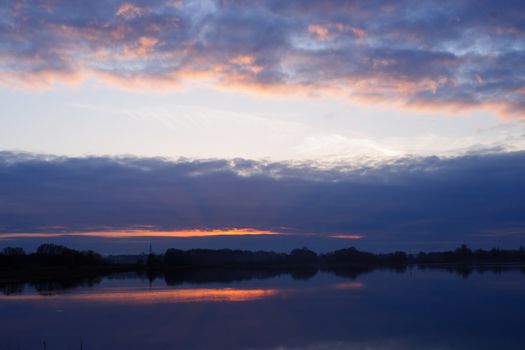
(156, 296)
(348, 285)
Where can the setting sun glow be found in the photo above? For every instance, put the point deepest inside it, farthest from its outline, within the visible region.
(146, 233)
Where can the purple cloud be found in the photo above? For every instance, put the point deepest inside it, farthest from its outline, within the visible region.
(452, 54)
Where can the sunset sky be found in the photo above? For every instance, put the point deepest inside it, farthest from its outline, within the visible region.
(262, 124)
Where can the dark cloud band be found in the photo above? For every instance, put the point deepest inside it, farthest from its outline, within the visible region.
(463, 199)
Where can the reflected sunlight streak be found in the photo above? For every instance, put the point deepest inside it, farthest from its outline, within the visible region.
(348, 285)
(156, 296)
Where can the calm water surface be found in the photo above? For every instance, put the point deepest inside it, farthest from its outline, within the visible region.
(382, 309)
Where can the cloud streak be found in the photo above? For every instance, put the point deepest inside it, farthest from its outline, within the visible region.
(423, 54)
(131, 233)
(474, 198)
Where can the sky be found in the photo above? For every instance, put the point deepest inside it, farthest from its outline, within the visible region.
(262, 124)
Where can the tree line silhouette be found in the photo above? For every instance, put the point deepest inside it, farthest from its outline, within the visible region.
(49, 255)
(53, 268)
(56, 256)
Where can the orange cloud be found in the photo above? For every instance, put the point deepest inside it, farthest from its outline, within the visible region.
(170, 45)
(347, 236)
(321, 32)
(145, 233)
(327, 32)
(129, 11)
(243, 59)
(357, 32)
(142, 49)
(44, 79)
(247, 63)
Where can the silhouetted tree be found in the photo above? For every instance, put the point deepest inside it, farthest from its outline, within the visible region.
(12, 257)
(57, 255)
(463, 252)
(10, 252)
(303, 256)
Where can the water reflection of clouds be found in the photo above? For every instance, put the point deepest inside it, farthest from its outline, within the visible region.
(423, 309)
(348, 285)
(155, 296)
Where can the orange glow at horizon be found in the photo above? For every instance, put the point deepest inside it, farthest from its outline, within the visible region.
(347, 236)
(137, 233)
(156, 296)
(145, 233)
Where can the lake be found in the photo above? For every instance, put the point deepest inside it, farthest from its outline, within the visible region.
(307, 309)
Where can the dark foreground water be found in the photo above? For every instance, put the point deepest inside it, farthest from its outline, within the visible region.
(381, 309)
